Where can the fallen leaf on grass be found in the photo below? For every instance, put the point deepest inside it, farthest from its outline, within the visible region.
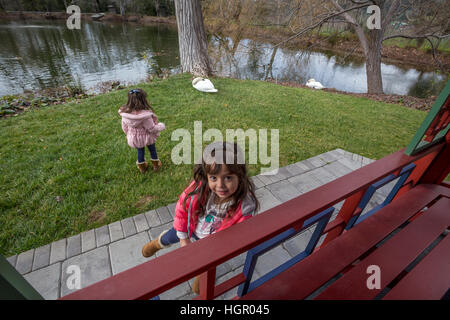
(143, 201)
(96, 216)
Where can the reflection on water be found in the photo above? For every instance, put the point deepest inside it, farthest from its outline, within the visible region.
(41, 54)
(250, 60)
(37, 55)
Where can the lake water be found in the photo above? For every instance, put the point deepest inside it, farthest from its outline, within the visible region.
(37, 55)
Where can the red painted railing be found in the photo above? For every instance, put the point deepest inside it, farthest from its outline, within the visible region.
(202, 257)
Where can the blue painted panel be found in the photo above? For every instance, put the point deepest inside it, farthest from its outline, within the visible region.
(277, 270)
(252, 256)
(404, 174)
(318, 232)
(384, 181)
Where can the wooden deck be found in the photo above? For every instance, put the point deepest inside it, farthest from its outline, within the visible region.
(349, 256)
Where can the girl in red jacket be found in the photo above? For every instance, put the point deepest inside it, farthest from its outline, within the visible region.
(220, 196)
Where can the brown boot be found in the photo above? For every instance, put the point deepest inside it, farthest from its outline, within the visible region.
(153, 246)
(196, 285)
(156, 164)
(143, 166)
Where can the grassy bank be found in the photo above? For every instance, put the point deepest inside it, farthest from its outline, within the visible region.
(444, 46)
(403, 43)
(108, 17)
(67, 168)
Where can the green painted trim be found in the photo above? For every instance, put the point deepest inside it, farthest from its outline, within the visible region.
(416, 143)
(13, 285)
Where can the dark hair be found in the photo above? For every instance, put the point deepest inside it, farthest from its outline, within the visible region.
(201, 171)
(137, 100)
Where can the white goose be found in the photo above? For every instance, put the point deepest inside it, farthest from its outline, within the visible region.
(314, 84)
(204, 85)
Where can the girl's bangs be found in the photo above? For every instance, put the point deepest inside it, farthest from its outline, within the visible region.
(215, 160)
(215, 168)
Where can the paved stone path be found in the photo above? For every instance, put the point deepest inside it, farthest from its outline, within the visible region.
(108, 250)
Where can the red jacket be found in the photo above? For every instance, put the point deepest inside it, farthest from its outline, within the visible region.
(184, 216)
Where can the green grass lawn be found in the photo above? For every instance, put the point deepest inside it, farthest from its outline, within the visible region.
(67, 169)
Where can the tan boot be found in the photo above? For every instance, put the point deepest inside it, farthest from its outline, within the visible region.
(196, 285)
(153, 246)
(156, 164)
(143, 166)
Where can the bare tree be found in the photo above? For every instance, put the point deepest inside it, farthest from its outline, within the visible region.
(428, 21)
(123, 4)
(371, 40)
(192, 38)
(351, 12)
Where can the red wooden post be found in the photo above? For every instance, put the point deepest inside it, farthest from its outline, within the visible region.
(346, 212)
(421, 166)
(207, 284)
(440, 167)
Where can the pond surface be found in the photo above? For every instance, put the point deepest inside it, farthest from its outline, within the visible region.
(36, 55)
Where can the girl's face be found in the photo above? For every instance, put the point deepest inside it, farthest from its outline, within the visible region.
(224, 184)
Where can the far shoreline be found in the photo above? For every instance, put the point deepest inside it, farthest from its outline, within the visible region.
(109, 17)
(391, 54)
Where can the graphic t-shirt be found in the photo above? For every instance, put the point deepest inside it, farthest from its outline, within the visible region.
(214, 215)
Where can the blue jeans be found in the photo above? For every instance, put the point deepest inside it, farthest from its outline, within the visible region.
(141, 153)
(171, 237)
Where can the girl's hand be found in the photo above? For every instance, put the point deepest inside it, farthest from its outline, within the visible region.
(184, 242)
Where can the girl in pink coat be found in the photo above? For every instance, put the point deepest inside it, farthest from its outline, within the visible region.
(220, 196)
(141, 126)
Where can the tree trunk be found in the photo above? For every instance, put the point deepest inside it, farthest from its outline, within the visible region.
(97, 6)
(122, 5)
(157, 7)
(371, 44)
(373, 62)
(269, 74)
(278, 14)
(192, 38)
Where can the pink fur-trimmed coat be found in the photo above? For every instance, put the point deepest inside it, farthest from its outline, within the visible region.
(142, 128)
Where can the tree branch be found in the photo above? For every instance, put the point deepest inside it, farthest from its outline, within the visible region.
(361, 2)
(359, 31)
(393, 8)
(321, 22)
(425, 36)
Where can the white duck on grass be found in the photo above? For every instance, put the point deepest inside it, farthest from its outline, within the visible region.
(204, 85)
(314, 84)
